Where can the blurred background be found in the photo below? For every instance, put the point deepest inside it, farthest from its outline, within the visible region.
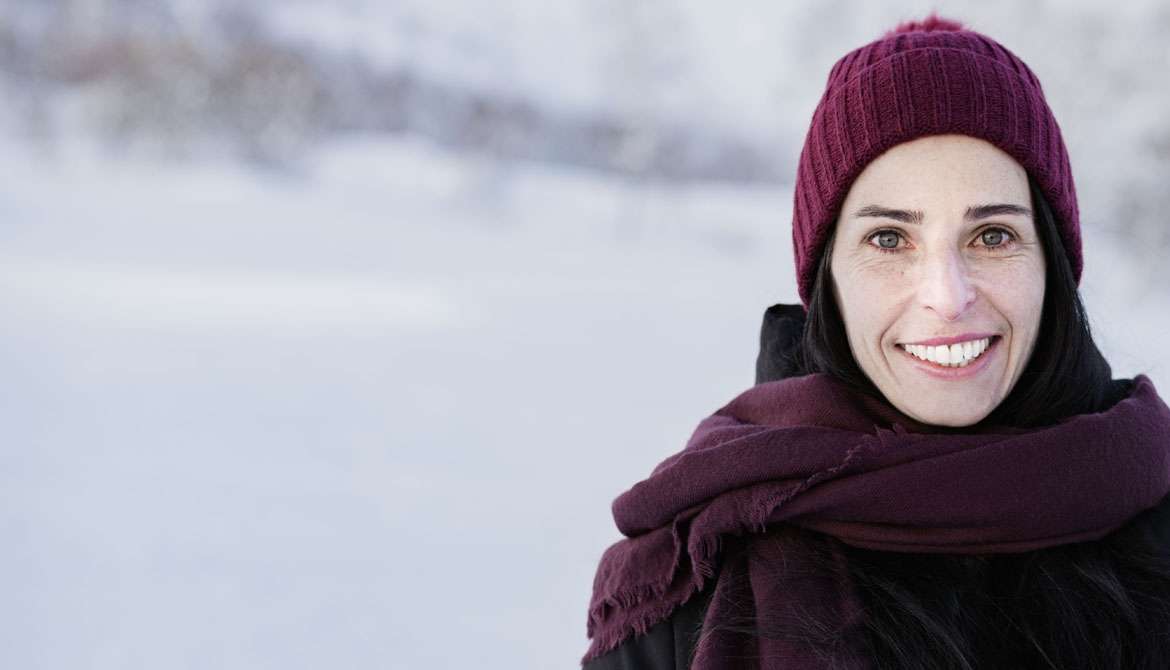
(330, 330)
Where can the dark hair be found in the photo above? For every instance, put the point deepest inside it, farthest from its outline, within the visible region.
(1097, 604)
(1100, 605)
(1066, 375)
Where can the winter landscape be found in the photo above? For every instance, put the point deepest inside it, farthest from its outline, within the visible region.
(331, 330)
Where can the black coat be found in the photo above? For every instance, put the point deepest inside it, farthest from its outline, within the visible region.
(669, 644)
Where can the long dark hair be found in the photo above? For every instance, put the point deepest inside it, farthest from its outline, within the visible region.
(1100, 604)
(1066, 375)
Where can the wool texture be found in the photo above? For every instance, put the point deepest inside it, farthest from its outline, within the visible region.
(932, 77)
(806, 452)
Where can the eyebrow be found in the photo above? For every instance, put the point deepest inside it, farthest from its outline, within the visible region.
(916, 216)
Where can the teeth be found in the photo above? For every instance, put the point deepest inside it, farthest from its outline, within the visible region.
(942, 354)
(957, 355)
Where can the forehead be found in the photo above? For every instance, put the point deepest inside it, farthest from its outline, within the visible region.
(940, 169)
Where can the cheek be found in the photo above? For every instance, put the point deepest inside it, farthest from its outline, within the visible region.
(866, 304)
(1018, 293)
(1030, 304)
(872, 287)
(1021, 281)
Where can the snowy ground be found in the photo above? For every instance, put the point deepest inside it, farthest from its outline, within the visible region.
(372, 415)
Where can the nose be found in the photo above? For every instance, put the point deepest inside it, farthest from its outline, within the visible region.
(945, 285)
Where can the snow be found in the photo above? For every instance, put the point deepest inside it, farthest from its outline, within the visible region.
(320, 420)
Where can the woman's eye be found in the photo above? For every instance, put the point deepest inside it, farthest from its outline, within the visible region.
(994, 237)
(887, 240)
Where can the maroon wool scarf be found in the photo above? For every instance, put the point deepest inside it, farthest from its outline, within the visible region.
(808, 452)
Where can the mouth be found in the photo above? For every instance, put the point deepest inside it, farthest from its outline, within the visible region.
(956, 361)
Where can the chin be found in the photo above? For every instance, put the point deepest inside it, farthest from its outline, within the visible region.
(941, 417)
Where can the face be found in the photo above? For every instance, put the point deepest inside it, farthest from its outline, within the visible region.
(935, 256)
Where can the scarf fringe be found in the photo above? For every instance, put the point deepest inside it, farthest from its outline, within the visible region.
(649, 597)
(702, 555)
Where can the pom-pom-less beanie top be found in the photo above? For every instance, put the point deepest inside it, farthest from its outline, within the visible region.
(924, 78)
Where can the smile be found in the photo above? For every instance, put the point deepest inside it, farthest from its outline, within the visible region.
(960, 359)
(959, 354)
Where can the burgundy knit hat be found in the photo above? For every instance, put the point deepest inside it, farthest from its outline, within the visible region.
(928, 77)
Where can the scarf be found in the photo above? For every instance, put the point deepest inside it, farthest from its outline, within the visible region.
(809, 453)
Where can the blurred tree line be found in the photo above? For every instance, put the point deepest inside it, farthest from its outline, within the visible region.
(154, 76)
(134, 74)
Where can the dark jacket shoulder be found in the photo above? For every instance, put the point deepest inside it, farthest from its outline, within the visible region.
(667, 645)
(779, 339)
(1153, 525)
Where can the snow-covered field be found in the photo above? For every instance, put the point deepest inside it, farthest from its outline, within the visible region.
(258, 421)
(368, 416)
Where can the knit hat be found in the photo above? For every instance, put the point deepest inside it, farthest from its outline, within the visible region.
(928, 77)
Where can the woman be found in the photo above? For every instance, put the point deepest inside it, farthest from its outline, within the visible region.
(935, 468)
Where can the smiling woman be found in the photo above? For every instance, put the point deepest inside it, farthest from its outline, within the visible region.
(923, 284)
(936, 468)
